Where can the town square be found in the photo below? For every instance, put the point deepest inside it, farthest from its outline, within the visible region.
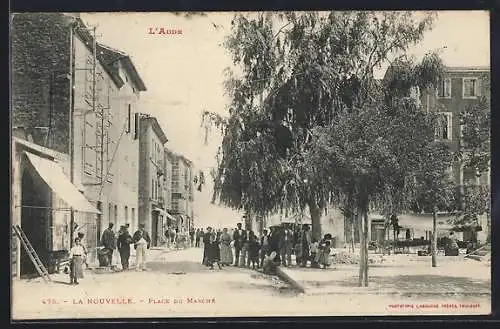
(253, 164)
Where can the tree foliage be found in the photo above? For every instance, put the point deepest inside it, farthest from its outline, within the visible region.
(301, 73)
(475, 121)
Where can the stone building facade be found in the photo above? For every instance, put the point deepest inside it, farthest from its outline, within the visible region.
(79, 97)
(152, 178)
(183, 191)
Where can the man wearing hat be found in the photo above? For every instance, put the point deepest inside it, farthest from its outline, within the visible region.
(239, 237)
(206, 245)
(124, 241)
(108, 240)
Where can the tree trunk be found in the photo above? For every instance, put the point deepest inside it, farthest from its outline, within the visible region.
(434, 238)
(365, 247)
(361, 255)
(352, 232)
(315, 220)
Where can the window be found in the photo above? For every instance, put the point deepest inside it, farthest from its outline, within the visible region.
(444, 89)
(132, 215)
(444, 126)
(469, 176)
(470, 88)
(129, 117)
(126, 214)
(115, 214)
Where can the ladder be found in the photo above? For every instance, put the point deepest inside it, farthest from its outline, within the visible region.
(41, 269)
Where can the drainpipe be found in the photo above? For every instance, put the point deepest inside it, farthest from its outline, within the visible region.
(71, 126)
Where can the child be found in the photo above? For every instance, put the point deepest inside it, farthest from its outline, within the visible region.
(80, 236)
(253, 251)
(324, 255)
(77, 258)
(314, 253)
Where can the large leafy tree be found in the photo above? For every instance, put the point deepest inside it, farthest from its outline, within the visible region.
(299, 72)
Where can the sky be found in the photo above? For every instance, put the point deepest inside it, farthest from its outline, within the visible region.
(184, 76)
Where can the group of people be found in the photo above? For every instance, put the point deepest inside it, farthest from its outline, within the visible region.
(111, 241)
(253, 251)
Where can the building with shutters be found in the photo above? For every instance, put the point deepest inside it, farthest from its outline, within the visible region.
(152, 179)
(461, 87)
(79, 97)
(183, 191)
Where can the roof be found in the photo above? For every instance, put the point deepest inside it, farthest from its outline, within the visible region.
(467, 69)
(155, 126)
(109, 57)
(186, 160)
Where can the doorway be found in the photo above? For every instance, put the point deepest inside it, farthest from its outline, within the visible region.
(154, 228)
(36, 218)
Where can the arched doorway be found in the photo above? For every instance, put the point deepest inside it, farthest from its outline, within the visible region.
(36, 218)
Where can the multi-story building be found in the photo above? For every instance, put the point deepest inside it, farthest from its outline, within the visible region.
(459, 88)
(183, 191)
(169, 160)
(79, 97)
(152, 178)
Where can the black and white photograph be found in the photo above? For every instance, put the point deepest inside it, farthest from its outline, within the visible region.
(250, 164)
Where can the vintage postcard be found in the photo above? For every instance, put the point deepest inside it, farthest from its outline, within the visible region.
(250, 164)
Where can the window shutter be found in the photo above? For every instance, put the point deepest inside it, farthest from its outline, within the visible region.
(478, 87)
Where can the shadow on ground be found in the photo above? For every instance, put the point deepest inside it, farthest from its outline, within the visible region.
(265, 285)
(423, 283)
(176, 267)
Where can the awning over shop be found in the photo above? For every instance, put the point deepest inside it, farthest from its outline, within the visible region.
(166, 214)
(52, 173)
(424, 222)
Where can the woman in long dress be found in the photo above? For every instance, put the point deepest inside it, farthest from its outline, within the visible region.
(226, 253)
(324, 255)
(77, 258)
(213, 252)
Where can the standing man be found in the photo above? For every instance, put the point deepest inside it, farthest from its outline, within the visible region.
(124, 241)
(274, 243)
(197, 237)
(206, 246)
(264, 249)
(285, 245)
(239, 237)
(191, 236)
(306, 245)
(108, 240)
(142, 242)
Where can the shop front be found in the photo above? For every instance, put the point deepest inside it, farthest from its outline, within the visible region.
(43, 197)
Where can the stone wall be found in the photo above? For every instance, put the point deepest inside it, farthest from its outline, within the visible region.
(41, 64)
